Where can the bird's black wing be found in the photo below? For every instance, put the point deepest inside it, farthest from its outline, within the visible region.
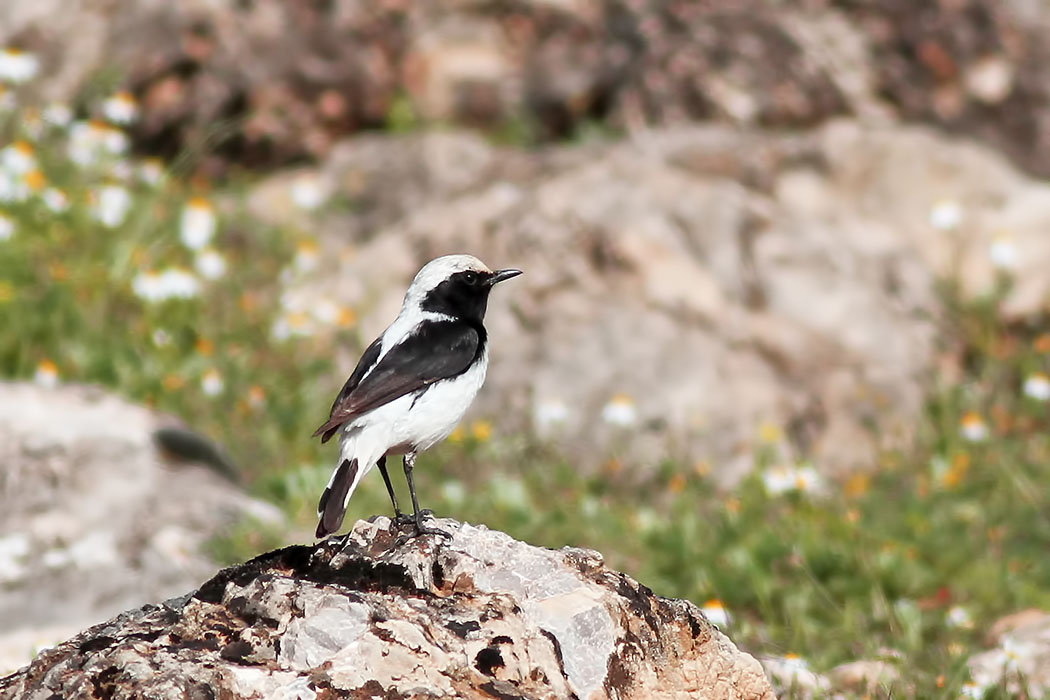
(436, 350)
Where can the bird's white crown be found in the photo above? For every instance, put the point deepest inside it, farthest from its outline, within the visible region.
(440, 269)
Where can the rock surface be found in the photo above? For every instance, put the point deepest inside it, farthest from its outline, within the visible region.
(1020, 661)
(477, 616)
(93, 520)
(277, 80)
(691, 284)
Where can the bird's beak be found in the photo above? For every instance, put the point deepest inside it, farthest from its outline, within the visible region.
(501, 275)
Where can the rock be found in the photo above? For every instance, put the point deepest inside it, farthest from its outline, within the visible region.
(1009, 623)
(287, 80)
(868, 676)
(792, 677)
(478, 616)
(1021, 661)
(93, 520)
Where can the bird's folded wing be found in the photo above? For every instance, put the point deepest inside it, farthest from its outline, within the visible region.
(437, 350)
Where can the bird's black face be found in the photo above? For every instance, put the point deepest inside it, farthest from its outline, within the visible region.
(465, 294)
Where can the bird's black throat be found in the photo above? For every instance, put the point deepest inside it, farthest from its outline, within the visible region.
(464, 295)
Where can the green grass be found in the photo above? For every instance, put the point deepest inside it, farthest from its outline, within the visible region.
(859, 569)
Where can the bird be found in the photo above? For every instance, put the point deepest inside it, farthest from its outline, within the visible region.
(412, 385)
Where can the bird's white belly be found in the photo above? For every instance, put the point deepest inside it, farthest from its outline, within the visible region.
(414, 423)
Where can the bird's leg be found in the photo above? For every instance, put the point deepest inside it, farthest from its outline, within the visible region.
(409, 464)
(398, 515)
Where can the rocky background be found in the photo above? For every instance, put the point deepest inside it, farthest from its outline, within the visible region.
(748, 229)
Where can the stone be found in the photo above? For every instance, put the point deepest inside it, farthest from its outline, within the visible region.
(479, 615)
(1020, 662)
(868, 676)
(94, 519)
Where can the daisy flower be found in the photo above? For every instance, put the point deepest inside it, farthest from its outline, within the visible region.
(307, 256)
(1002, 252)
(120, 108)
(7, 227)
(716, 613)
(946, 215)
(211, 383)
(18, 158)
(197, 225)
(548, 413)
(210, 264)
(55, 200)
(973, 428)
(308, 192)
(151, 171)
(18, 66)
(112, 205)
(58, 114)
(620, 411)
(957, 616)
(1037, 386)
(46, 374)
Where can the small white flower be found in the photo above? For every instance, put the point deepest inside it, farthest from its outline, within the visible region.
(121, 170)
(549, 413)
(58, 114)
(946, 215)
(716, 613)
(172, 283)
(1002, 252)
(7, 228)
(55, 200)
(972, 691)
(779, 479)
(121, 108)
(293, 324)
(620, 411)
(151, 171)
(307, 256)
(1037, 386)
(807, 479)
(18, 158)
(973, 428)
(115, 141)
(211, 383)
(112, 205)
(325, 311)
(18, 66)
(510, 493)
(13, 188)
(210, 264)
(957, 616)
(308, 192)
(197, 225)
(161, 338)
(46, 374)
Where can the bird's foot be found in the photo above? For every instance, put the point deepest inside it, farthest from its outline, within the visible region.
(418, 528)
(402, 519)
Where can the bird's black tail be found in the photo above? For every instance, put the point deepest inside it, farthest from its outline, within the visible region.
(332, 505)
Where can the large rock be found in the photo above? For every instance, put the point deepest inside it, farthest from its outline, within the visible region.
(271, 81)
(691, 285)
(478, 616)
(93, 519)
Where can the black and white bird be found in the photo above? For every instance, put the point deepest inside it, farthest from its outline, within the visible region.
(413, 384)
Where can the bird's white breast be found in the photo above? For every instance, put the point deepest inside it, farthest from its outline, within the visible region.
(416, 422)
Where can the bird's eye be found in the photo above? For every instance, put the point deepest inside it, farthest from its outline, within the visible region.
(471, 278)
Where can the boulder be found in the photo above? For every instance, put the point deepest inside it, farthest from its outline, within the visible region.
(94, 519)
(269, 82)
(479, 615)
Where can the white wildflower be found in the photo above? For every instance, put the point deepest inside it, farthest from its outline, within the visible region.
(46, 374)
(717, 614)
(7, 228)
(112, 205)
(946, 215)
(973, 428)
(549, 413)
(18, 158)
(197, 225)
(1037, 386)
(58, 114)
(210, 264)
(120, 108)
(1002, 252)
(18, 66)
(620, 411)
(211, 383)
(55, 200)
(308, 192)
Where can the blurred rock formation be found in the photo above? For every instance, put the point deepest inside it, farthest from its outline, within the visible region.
(272, 82)
(688, 286)
(93, 520)
(478, 616)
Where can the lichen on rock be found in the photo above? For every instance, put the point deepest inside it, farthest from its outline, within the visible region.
(374, 615)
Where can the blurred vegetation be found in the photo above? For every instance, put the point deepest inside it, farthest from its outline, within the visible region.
(908, 562)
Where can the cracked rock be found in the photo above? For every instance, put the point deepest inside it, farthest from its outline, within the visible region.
(372, 615)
